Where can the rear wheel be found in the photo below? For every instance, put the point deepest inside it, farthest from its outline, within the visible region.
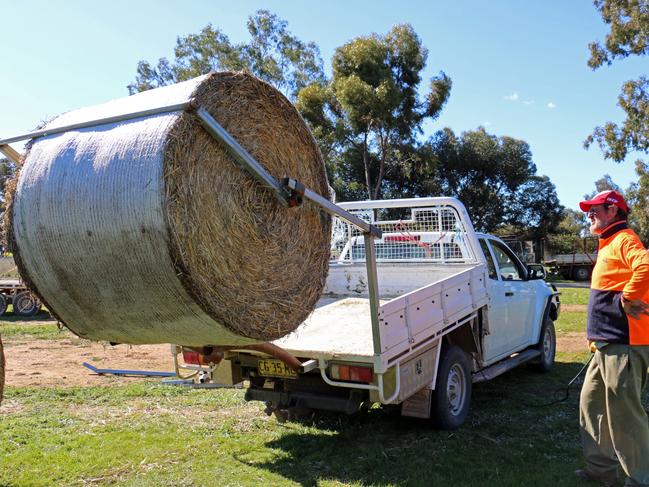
(3, 304)
(26, 304)
(452, 395)
(582, 273)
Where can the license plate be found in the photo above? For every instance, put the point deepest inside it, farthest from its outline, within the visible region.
(275, 368)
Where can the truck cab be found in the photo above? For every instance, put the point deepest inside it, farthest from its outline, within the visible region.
(519, 299)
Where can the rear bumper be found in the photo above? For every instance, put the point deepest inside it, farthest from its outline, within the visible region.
(349, 403)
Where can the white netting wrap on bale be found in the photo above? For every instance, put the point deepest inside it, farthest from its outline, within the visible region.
(147, 231)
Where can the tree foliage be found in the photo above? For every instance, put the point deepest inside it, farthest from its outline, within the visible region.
(368, 120)
(605, 183)
(568, 235)
(368, 116)
(7, 171)
(496, 180)
(628, 36)
(637, 196)
(273, 54)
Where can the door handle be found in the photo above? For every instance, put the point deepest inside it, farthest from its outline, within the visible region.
(509, 293)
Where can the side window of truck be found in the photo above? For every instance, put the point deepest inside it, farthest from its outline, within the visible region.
(509, 268)
(490, 262)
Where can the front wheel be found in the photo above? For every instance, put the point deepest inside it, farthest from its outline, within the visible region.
(547, 346)
(452, 395)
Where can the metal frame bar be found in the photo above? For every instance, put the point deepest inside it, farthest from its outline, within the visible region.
(93, 123)
(290, 193)
(146, 373)
(11, 153)
(241, 155)
(373, 291)
(333, 209)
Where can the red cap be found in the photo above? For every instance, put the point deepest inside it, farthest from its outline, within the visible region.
(605, 197)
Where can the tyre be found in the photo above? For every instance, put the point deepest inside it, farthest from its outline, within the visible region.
(3, 304)
(26, 304)
(582, 273)
(452, 395)
(547, 346)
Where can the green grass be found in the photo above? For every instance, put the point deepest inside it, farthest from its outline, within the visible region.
(41, 326)
(571, 321)
(43, 331)
(9, 315)
(576, 295)
(149, 434)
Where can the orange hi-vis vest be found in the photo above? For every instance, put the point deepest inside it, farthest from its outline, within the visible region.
(622, 269)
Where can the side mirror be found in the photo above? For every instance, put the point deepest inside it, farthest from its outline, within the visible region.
(536, 271)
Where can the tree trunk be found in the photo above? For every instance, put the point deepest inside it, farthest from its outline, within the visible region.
(366, 164)
(377, 189)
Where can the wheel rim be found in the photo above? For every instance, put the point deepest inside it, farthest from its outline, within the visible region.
(456, 389)
(25, 305)
(547, 345)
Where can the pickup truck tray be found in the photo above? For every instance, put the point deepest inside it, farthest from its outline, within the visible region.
(341, 328)
(338, 328)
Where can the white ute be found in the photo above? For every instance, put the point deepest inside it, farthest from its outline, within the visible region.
(436, 308)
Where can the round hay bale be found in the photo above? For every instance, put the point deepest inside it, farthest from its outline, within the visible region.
(147, 231)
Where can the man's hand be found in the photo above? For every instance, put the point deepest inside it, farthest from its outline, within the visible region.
(635, 308)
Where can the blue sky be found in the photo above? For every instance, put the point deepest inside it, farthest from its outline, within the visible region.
(518, 68)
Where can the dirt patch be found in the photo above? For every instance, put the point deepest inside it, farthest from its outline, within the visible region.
(49, 363)
(574, 307)
(571, 342)
(58, 363)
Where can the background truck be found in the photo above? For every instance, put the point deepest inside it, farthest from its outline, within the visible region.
(13, 291)
(577, 264)
(410, 321)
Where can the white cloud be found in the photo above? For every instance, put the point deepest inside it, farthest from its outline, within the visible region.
(486, 124)
(512, 97)
(528, 102)
(552, 105)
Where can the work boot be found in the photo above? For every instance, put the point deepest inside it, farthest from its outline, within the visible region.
(607, 480)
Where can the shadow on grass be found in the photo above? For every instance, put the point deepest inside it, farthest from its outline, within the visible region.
(10, 317)
(513, 436)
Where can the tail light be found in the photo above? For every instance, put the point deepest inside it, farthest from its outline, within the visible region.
(351, 373)
(191, 357)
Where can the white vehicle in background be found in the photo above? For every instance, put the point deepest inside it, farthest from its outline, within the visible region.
(433, 309)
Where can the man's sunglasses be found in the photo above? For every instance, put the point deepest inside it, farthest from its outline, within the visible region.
(593, 210)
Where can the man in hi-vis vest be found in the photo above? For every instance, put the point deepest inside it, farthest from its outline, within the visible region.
(613, 422)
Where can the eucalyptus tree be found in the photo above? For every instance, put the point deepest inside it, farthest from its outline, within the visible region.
(628, 21)
(368, 116)
(272, 53)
